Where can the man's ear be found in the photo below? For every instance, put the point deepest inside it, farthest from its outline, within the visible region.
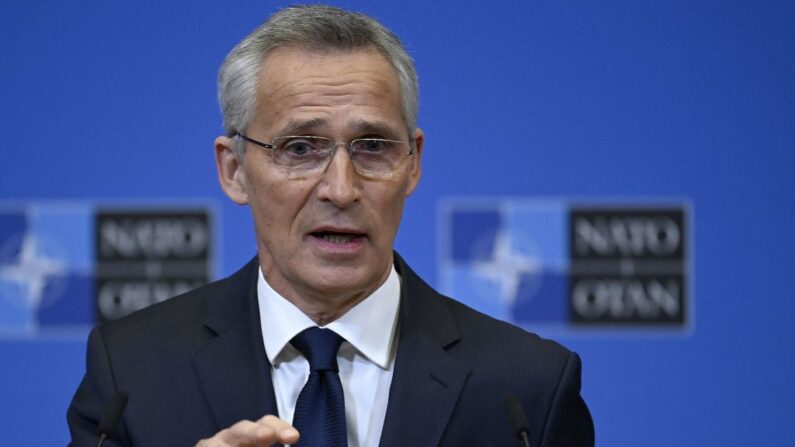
(415, 168)
(230, 170)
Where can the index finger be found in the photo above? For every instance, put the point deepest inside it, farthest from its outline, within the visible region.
(285, 433)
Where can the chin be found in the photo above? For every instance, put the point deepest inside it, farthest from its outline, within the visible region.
(338, 280)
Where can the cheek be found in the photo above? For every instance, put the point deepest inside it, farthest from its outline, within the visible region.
(283, 204)
(390, 207)
(266, 199)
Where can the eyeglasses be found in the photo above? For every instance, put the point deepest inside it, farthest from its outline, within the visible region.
(306, 154)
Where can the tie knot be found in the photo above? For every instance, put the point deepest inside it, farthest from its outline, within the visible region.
(320, 347)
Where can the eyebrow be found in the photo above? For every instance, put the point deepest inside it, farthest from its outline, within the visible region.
(357, 126)
(380, 128)
(300, 127)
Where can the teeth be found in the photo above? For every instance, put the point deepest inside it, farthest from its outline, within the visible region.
(337, 238)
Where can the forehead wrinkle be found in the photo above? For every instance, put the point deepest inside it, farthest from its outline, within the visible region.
(365, 79)
(321, 57)
(337, 90)
(333, 94)
(363, 76)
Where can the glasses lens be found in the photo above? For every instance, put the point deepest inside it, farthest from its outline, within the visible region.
(301, 153)
(376, 156)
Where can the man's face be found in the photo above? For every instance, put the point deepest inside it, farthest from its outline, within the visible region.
(325, 239)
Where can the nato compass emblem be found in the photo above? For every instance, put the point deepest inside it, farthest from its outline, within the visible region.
(493, 260)
(39, 271)
(29, 270)
(31, 276)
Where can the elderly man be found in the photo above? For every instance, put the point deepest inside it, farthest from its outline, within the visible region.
(327, 338)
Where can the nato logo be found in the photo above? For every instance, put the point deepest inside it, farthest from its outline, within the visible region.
(561, 264)
(69, 265)
(45, 267)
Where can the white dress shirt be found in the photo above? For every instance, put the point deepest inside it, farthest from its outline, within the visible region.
(365, 359)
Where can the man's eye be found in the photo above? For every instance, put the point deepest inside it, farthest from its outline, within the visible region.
(298, 147)
(372, 145)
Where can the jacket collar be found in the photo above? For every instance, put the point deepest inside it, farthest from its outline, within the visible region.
(233, 368)
(427, 380)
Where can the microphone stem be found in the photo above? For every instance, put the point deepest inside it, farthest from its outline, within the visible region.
(525, 438)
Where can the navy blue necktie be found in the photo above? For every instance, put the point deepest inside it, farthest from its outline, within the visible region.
(320, 411)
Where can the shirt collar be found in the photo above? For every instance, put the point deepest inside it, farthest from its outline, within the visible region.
(369, 326)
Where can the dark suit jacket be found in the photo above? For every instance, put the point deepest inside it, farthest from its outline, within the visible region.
(196, 364)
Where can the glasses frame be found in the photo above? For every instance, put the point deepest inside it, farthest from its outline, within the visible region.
(348, 146)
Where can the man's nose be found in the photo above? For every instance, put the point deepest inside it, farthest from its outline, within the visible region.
(340, 183)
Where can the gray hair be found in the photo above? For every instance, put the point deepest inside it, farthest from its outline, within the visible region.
(312, 27)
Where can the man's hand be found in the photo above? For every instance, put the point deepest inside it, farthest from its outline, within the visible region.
(264, 432)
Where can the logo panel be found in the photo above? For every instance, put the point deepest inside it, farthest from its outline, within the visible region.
(554, 263)
(58, 261)
(627, 266)
(145, 257)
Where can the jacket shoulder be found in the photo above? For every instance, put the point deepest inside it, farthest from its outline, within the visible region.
(181, 317)
(494, 337)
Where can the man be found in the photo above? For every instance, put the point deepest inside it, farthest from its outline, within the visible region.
(320, 110)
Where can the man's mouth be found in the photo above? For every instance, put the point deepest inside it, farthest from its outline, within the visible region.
(337, 237)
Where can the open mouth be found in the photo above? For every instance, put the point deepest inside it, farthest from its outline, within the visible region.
(334, 237)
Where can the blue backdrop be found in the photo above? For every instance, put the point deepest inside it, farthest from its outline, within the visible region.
(620, 99)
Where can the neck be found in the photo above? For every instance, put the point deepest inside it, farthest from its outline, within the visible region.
(322, 306)
(324, 312)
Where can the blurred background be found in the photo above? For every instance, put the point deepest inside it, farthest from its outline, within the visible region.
(525, 105)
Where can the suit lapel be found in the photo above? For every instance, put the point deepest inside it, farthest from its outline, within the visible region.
(233, 368)
(427, 381)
